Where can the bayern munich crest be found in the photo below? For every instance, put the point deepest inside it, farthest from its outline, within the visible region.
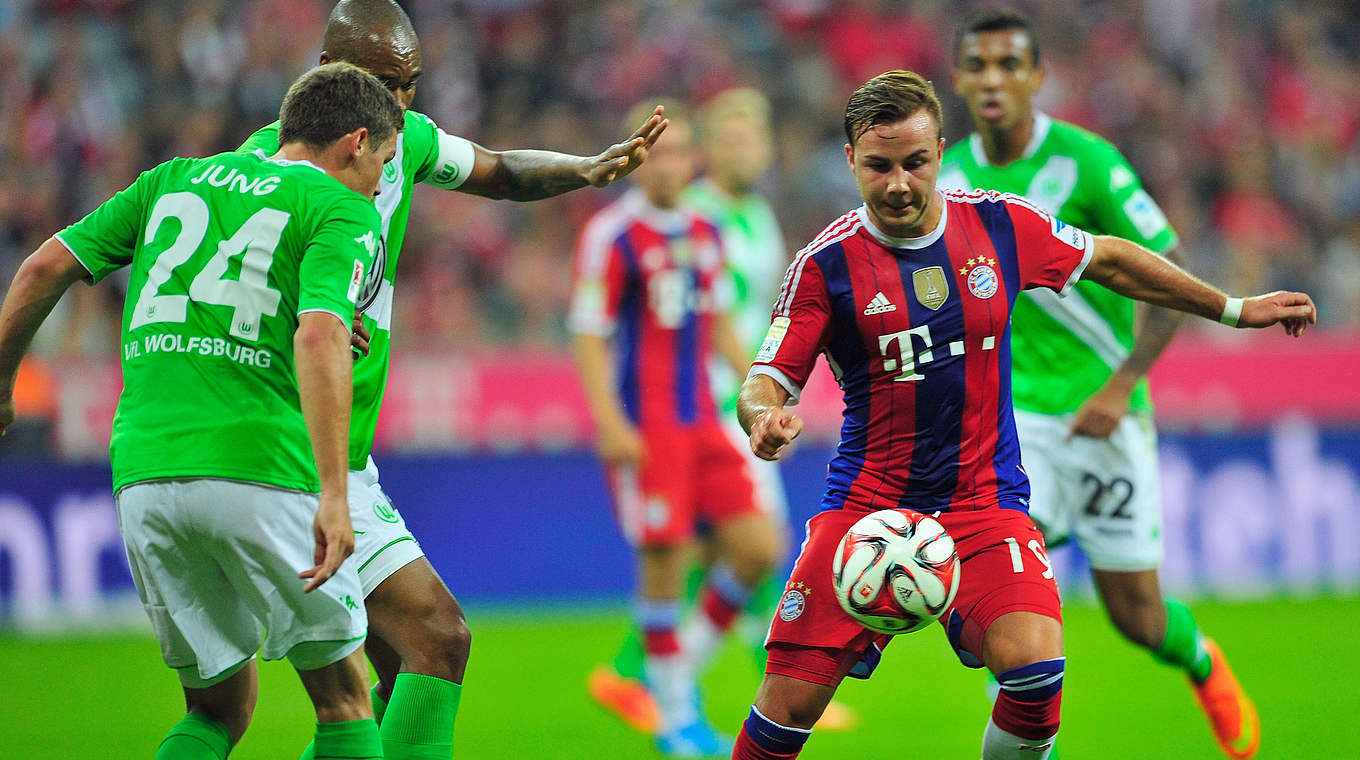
(792, 604)
(982, 278)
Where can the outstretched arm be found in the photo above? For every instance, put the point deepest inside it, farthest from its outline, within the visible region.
(1131, 270)
(761, 412)
(38, 285)
(530, 175)
(1099, 414)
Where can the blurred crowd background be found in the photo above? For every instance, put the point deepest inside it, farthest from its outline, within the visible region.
(1242, 117)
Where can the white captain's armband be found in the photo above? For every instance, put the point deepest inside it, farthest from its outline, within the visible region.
(774, 338)
(453, 163)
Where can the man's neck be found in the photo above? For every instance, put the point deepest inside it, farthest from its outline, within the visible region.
(1004, 146)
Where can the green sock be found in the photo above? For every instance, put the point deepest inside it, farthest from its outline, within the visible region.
(195, 737)
(348, 740)
(1183, 646)
(419, 718)
(379, 707)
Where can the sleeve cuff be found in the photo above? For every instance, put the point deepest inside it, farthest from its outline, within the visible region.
(779, 377)
(1081, 266)
(92, 277)
(343, 320)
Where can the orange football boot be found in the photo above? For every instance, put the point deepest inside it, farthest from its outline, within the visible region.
(1231, 712)
(626, 698)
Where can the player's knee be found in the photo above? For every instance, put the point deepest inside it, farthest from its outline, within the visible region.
(1030, 699)
(443, 645)
(1019, 638)
(755, 554)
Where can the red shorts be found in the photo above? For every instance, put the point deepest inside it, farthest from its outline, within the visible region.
(689, 475)
(1004, 568)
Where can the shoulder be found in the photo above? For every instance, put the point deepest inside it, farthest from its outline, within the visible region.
(958, 152)
(265, 138)
(828, 242)
(1083, 144)
(608, 225)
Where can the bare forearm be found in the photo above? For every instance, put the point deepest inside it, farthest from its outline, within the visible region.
(1131, 270)
(530, 175)
(1157, 327)
(37, 286)
(759, 394)
(325, 387)
(730, 346)
(593, 365)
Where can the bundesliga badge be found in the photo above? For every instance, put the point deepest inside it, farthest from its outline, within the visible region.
(982, 279)
(931, 287)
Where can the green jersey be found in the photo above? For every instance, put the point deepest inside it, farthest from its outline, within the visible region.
(1064, 349)
(224, 254)
(425, 153)
(756, 261)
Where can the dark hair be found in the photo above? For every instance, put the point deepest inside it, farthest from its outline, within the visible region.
(355, 26)
(889, 98)
(333, 100)
(998, 20)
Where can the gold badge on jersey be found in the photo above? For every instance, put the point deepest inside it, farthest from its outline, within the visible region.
(931, 287)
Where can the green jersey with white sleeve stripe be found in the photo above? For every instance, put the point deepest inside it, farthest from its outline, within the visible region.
(1064, 349)
(225, 253)
(756, 261)
(427, 154)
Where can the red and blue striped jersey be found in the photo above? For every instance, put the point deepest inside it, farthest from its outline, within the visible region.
(652, 279)
(917, 332)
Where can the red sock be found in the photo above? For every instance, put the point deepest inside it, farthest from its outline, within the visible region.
(720, 611)
(1028, 720)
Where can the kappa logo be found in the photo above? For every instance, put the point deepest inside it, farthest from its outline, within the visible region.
(879, 305)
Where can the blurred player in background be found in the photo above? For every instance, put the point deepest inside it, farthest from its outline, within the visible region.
(737, 140)
(235, 406)
(418, 637)
(649, 312)
(909, 297)
(1082, 408)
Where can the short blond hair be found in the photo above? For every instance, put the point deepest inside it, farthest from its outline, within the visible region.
(738, 101)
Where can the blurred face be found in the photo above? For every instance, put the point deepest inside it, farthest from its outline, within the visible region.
(739, 149)
(368, 165)
(670, 165)
(895, 166)
(995, 76)
(395, 62)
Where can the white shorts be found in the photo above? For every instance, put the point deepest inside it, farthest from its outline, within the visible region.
(765, 477)
(382, 543)
(1105, 492)
(216, 563)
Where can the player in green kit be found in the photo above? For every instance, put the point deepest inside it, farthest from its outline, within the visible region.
(229, 445)
(1082, 408)
(418, 638)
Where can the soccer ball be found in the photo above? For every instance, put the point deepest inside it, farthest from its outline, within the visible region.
(895, 571)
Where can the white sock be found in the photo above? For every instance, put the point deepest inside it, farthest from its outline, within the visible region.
(671, 681)
(699, 640)
(998, 744)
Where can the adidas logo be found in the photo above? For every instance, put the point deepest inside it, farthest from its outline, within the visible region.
(880, 305)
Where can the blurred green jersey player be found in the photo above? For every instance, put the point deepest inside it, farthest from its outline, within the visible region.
(1082, 408)
(229, 445)
(418, 637)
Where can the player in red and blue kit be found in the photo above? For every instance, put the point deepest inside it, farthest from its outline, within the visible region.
(651, 285)
(909, 298)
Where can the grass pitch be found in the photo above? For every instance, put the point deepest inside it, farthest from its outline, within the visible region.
(109, 696)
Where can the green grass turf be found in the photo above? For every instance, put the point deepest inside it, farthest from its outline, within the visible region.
(110, 697)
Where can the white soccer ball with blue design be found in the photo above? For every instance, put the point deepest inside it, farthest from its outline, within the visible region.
(896, 571)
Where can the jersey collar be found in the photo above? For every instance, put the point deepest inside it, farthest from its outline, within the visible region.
(286, 162)
(913, 243)
(668, 220)
(1042, 123)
